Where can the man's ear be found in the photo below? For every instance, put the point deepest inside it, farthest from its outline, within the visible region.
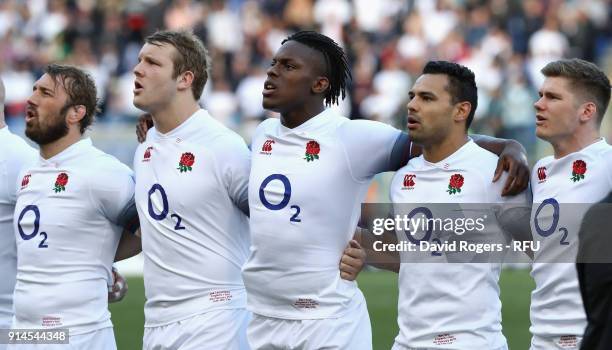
(588, 111)
(75, 114)
(185, 80)
(462, 111)
(320, 85)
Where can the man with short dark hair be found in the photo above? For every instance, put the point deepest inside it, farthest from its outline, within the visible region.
(573, 100)
(72, 206)
(443, 304)
(461, 84)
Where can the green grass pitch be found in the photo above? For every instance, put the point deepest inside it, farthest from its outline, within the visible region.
(380, 289)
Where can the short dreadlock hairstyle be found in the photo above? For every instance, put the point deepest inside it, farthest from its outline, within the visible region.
(461, 84)
(336, 64)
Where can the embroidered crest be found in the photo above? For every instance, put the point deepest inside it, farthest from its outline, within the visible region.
(147, 154)
(409, 181)
(25, 181)
(312, 151)
(455, 184)
(579, 168)
(186, 162)
(61, 182)
(267, 147)
(542, 174)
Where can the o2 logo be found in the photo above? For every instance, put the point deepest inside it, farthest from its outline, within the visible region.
(286, 196)
(428, 215)
(165, 207)
(555, 221)
(28, 236)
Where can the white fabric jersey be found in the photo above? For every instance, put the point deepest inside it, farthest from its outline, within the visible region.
(556, 302)
(14, 154)
(305, 192)
(190, 186)
(67, 229)
(446, 305)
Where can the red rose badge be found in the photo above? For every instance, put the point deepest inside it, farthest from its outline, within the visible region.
(578, 170)
(147, 154)
(61, 182)
(312, 151)
(455, 184)
(186, 162)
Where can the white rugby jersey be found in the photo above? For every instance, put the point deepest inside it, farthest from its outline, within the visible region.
(14, 154)
(190, 185)
(580, 177)
(68, 221)
(446, 305)
(305, 192)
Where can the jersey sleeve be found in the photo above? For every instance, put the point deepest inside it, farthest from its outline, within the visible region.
(372, 147)
(513, 213)
(113, 193)
(16, 168)
(236, 167)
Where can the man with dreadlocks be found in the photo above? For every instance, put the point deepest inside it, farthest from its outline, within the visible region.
(310, 171)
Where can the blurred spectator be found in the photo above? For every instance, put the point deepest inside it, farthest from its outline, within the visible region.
(391, 87)
(182, 14)
(517, 112)
(332, 16)
(19, 81)
(221, 103)
(299, 13)
(224, 30)
(387, 42)
(545, 45)
(249, 94)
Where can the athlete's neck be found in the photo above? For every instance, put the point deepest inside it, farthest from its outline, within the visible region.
(296, 117)
(56, 147)
(574, 143)
(173, 115)
(436, 152)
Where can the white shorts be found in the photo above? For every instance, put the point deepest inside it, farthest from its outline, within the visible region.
(557, 343)
(213, 330)
(397, 346)
(102, 339)
(351, 331)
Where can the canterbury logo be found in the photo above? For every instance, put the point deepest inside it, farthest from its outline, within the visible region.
(542, 173)
(267, 146)
(26, 180)
(409, 180)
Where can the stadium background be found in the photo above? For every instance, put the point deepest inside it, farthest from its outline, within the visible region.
(387, 41)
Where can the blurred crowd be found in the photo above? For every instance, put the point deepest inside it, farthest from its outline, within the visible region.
(388, 41)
